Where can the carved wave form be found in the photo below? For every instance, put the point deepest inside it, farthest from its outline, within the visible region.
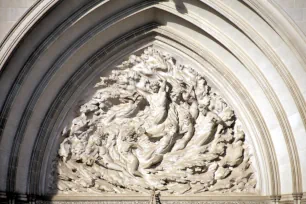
(154, 124)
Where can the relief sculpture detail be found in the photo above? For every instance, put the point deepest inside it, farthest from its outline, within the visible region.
(154, 124)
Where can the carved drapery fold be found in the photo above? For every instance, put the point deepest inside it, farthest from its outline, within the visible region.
(154, 124)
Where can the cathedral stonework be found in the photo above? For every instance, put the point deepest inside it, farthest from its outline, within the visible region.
(154, 124)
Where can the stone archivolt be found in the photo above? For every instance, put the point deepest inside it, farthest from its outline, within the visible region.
(154, 124)
(147, 202)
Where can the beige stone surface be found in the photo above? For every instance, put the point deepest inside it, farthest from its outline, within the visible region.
(10, 12)
(247, 50)
(296, 9)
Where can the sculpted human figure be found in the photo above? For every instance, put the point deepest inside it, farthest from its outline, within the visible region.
(235, 154)
(91, 150)
(79, 140)
(106, 160)
(168, 62)
(157, 98)
(139, 66)
(191, 98)
(228, 116)
(165, 144)
(77, 148)
(220, 104)
(126, 143)
(153, 62)
(111, 134)
(201, 88)
(167, 141)
(65, 149)
(187, 108)
(187, 130)
(208, 130)
(125, 110)
(186, 122)
(126, 83)
(168, 138)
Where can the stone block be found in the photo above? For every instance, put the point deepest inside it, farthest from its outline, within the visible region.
(302, 26)
(11, 14)
(16, 3)
(285, 3)
(300, 3)
(295, 14)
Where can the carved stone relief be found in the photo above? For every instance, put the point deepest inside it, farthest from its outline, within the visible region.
(154, 124)
(148, 202)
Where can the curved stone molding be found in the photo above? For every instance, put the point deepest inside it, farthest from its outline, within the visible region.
(282, 70)
(254, 69)
(247, 51)
(147, 202)
(57, 109)
(284, 25)
(25, 70)
(29, 19)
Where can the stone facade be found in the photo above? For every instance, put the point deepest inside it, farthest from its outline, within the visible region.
(10, 13)
(216, 107)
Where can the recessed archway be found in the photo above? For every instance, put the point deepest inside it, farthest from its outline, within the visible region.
(243, 52)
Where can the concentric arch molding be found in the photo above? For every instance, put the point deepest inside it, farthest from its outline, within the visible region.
(61, 99)
(60, 117)
(273, 116)
(147, 202)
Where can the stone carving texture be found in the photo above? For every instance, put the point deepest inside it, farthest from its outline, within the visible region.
(93, 202)
(148, 202)
(154, 124)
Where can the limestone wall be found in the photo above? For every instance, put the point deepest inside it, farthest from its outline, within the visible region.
(250, 51)
(10, 12)
(296, 9)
